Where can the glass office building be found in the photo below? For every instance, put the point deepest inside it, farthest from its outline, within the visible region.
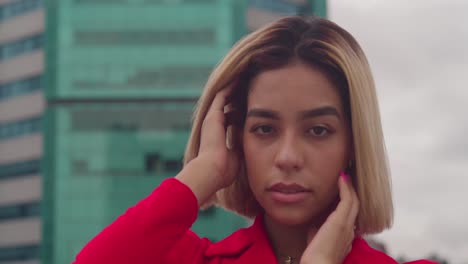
(21, 109)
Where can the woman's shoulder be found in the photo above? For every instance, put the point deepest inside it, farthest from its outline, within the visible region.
(362, 253)
(422, 261)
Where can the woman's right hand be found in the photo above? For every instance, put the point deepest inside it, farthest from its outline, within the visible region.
(216, 166)
(213, 150)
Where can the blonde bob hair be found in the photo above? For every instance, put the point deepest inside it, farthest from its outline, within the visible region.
(323, 44)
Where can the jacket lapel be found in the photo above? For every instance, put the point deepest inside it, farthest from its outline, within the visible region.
(247, 245)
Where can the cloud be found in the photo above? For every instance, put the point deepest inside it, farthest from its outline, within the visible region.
(418, 52)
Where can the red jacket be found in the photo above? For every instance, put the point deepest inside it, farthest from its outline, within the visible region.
(156, 230)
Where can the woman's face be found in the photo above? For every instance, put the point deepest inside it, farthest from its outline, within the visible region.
(295, 141)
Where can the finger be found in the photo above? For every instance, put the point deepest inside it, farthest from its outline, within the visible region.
(230, 118)
(354, 201)
(219, 100)
(354, 207)
(215, 111)
(218, 103)
(231, 134)
(344, 206)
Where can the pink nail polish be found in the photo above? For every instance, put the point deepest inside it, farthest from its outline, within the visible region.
(344, 176)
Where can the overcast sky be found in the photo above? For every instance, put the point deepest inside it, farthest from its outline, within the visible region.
(418, 50)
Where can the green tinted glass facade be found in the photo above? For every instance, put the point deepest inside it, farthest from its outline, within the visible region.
(133, 49)
(122, 79)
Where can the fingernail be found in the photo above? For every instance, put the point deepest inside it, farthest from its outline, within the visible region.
(344, 176)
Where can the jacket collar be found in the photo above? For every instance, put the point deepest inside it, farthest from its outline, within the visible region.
(253, 237)
(251, 244)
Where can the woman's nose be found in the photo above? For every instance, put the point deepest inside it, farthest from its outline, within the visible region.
(289, 154)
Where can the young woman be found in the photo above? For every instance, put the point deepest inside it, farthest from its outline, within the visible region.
(287, 131)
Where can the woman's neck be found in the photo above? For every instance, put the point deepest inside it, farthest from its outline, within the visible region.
(288, 240)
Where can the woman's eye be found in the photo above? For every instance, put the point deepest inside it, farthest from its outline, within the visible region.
(319, 131)
(263, 130)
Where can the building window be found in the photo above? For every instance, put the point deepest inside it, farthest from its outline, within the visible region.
(203, 36)
(19, 169)
(172, 166)
(16, 8)
(20, 211)
(280, 6)
(138, 139)
(152, 163)
(20, 253)
(18, 47)
(20, 87)
(168, 77)
(20, 128)
(131, 2)
(121, 119)
(155, 164)
(80, 166)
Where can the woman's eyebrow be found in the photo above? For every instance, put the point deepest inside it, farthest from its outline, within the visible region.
(316, 112)
(257, 112)
(321, 111)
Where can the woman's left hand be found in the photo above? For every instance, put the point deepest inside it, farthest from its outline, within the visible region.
(333, 241)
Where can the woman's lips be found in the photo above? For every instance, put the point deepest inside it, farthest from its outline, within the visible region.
(288, 193)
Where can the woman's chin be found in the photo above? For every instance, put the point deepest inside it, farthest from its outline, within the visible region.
(290, 218)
